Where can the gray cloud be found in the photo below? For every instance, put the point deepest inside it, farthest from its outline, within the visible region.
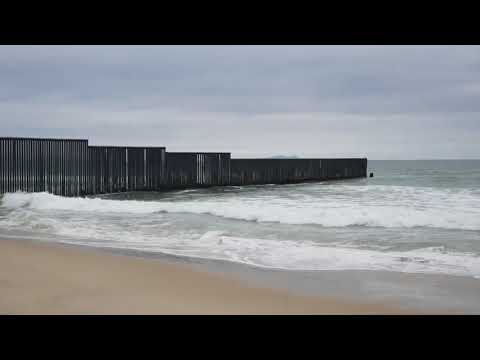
(374, 101)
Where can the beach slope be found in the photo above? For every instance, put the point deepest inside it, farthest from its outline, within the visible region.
(45, 278)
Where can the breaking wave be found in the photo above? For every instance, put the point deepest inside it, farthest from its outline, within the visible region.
(145, 225)
(370, 206)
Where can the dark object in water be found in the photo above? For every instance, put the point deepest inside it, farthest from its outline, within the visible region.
(72, 167)
(371, 174)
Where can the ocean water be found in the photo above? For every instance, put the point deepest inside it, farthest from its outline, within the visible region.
(411, 217)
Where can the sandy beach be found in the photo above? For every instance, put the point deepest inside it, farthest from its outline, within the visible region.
(44, 278)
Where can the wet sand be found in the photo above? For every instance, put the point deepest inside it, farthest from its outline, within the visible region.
(45, 278)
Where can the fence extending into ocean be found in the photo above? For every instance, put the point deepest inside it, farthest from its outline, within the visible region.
(71, 167)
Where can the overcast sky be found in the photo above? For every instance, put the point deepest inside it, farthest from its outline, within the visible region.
(380, 102)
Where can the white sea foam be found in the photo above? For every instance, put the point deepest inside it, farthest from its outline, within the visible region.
(371, 206)
(294, 255)
(307, 255)
(127, 224)
(45, 201)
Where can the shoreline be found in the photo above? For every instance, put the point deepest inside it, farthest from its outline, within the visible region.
(48, 278)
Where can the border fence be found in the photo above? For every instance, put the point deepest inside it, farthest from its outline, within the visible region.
(197, 169)
(286, 171)
(71, 167)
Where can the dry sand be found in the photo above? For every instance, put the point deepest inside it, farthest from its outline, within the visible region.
(44, 278)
